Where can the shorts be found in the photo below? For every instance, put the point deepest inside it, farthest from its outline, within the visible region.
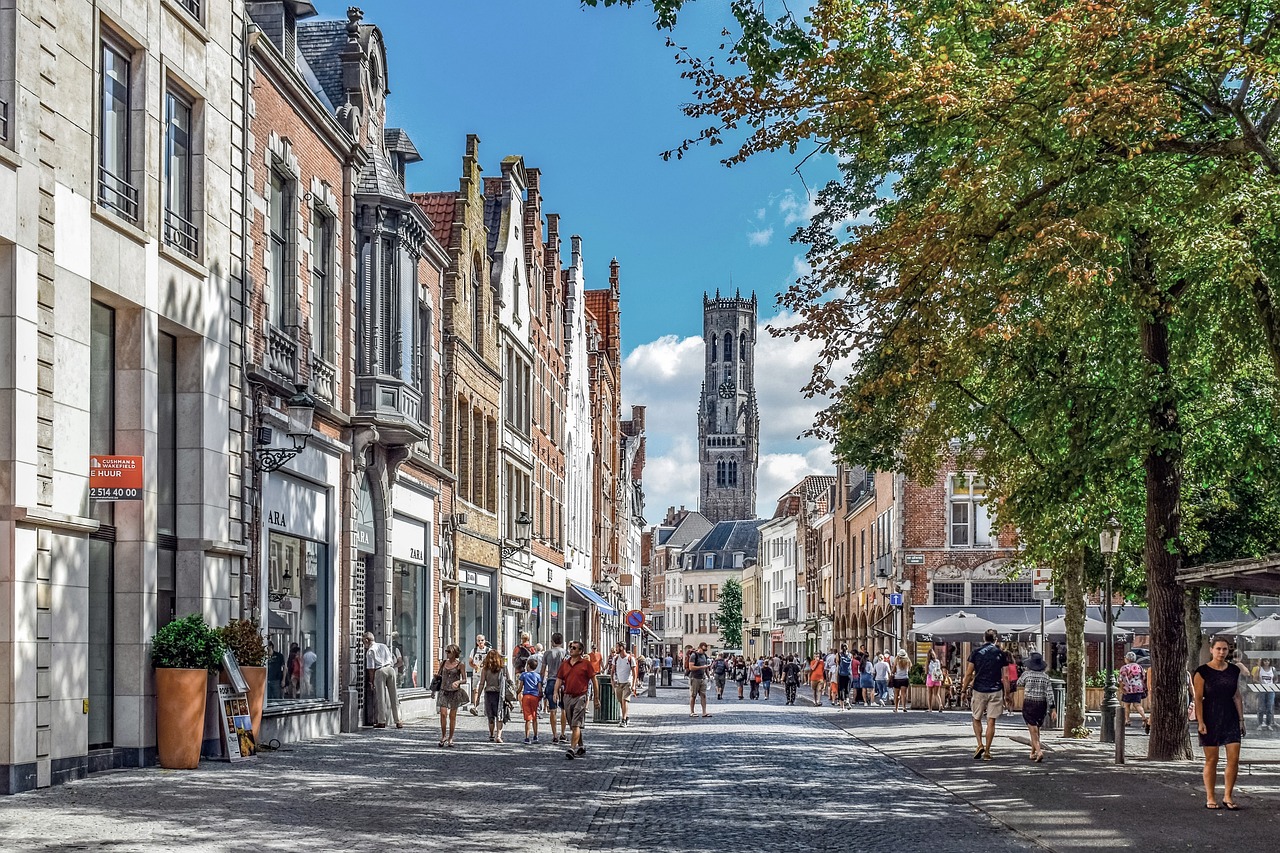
(529, 706)
(622, 691)
(899, 683)
(930, 681)
(698, 687)
(575, 710)
(989, 705)
(720, 679)
(550, 695)
(1133, 698)
(1034, 711)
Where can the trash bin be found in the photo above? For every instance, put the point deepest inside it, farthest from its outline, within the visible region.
(1059, 702)
(607, 709)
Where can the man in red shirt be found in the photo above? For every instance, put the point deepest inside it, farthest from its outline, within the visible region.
(575, 683)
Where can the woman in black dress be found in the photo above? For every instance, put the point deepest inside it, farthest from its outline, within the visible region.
(1220, 716)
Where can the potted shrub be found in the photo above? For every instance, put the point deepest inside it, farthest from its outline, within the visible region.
(250, 650)
(183, 653)
(919, 693)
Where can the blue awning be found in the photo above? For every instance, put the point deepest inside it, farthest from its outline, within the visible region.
(592, 597)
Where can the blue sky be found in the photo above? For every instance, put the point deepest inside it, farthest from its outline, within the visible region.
(592, 97)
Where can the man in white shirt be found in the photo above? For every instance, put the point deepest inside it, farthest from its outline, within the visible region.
(622, 669)
(830, 667)
(474, 663)
(379, 660)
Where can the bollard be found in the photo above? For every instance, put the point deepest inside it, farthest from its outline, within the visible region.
(1122, 721)
(653, 685)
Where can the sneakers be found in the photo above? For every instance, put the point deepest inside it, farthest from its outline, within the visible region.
(535, 738)
(475, 711)
(580, 751)
(526, 741)
(569, 755)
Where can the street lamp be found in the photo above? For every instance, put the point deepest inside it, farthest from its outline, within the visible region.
(1109, 543)
(523, 523)
(301, 409)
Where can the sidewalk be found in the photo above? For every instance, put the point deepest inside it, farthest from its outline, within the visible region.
(1078, 798)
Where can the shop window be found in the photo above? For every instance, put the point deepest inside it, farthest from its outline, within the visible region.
(948, 593)
(408, 619)
(297, 626)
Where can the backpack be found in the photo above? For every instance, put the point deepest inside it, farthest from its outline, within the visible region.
(523, 653)
(719, 667)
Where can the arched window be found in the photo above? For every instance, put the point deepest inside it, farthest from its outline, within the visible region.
(714, 340)
(728, 346)
(720, 473)
(733, 472)
(477, 309)
(742, 359)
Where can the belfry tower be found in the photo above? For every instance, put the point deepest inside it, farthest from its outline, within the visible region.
(728, 417)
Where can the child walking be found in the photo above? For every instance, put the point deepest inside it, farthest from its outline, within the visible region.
(530, 695)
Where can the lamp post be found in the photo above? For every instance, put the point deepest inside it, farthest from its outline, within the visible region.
(1109, 542)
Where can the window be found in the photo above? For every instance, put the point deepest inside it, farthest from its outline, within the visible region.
(688, 595)
(322, 297)
(702, 623)
(969, 520)
(297, 627)
(115, 162)
(728, 348)
(280, 203)
(408, 620)
(179, 231)
(1001, 592)
(948, 593)
(477, 310)
(709, 561)
(426, 340)
(713, 592)
(702, 593)
(166, 478)
(192, 6)
(715, 623)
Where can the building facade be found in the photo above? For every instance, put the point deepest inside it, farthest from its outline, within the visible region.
(728, 415)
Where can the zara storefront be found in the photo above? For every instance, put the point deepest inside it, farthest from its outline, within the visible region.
(296, 595)
(413, 592)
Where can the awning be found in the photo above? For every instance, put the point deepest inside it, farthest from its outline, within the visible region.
(590, 596)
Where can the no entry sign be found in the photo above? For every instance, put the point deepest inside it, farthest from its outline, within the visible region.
(634, 619)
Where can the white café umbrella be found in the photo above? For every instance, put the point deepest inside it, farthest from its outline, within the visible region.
(1095, 631)
(959, 627)
(1266, 628)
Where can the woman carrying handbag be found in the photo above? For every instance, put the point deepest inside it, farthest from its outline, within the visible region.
(448, 685)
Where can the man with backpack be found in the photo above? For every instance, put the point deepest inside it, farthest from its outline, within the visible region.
(791, 678)
(720, 670)
(520, 654)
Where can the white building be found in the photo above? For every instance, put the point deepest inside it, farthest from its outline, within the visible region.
(579, 457)
(778, 561)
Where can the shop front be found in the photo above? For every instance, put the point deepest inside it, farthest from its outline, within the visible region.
(546, 615)
(412, 601)
(477, 605)
(296, 605)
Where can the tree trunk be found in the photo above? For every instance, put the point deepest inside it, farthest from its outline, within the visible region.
(1191, 605)
(1162, 552)
(1073, 599)
(1268, 317)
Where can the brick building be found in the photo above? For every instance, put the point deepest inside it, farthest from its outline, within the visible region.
(604, 365)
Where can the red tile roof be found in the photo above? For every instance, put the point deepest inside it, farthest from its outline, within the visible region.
(439, 208)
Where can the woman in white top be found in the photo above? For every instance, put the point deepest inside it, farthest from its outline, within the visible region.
(933, 680)
(1265, 675)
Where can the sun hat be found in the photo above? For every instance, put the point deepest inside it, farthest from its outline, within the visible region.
(1034, 662)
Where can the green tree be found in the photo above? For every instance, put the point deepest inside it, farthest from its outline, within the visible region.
(1025, 172)
(730, 614)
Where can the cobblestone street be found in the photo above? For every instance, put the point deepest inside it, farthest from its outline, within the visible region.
(754, 776)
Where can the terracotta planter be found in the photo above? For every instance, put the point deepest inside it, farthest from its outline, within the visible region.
(180, 700)
(256, 676)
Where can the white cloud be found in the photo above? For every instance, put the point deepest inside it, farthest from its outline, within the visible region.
(761, 237)
(665, 375)
(761, 212)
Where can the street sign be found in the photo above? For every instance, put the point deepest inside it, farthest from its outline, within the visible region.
(1042, 584)
(895, 599)
(634, 620)
(115, 478)
(1042, 593)
(915, 560)
(635, 632)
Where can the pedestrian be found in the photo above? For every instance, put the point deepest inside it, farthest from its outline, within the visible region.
(933, 680)
(275, 673)
(1133, 689)
(668, 664)
(990, 682)
(551, 660)
(476, 662)
(451, 692)
(901, 682)
(720, 669)
(830, 665)
(791, 678)
(597, 659)
(575, 684)
(817, 681)
(493, 686)
(308, 669)
(740, 673)
(1037, 698)
(696, 665)
(379, 662)
(866, 679)
(755, 678)
(530, 696)
(293, 673)
(844, 670)
(1265, 676)
(881, 671)
(1220, 719)
(520, 655)
(855, 680)
(622, 670)
(766, 676)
